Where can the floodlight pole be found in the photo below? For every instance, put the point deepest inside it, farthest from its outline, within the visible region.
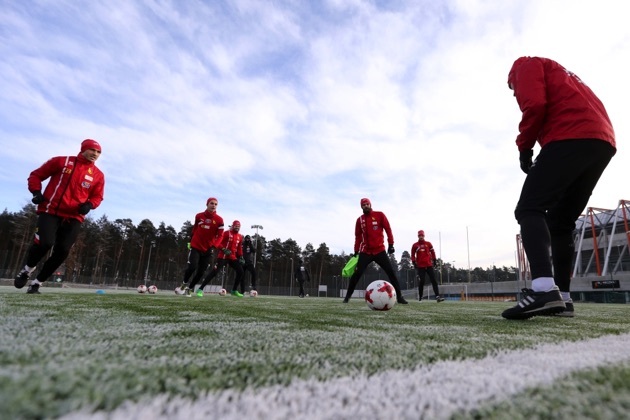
(256, 241)
(291, 279)
(146, 273)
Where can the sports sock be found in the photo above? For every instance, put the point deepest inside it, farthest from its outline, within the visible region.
(543, 284)
(34, 282)
(566, 296)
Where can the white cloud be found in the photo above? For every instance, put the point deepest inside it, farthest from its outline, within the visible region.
(291, 112)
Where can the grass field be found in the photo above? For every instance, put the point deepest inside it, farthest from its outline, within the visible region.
(77, 354)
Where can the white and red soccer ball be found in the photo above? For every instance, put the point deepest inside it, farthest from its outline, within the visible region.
(142, 288)
(380, 295)
(253, 293)
(152, 289)
(222, 292)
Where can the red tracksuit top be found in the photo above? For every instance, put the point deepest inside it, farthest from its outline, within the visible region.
(423, 254)
(207, 232)
(232, 241)
(368, 233)
(556, 105)
(74, 180)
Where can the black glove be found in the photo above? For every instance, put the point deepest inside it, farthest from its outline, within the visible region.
(85, 208)
(226, 252)
(37, 197)
(526, 160)
(390, 249)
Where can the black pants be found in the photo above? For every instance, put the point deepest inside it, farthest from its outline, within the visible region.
(555, 193)
(53, 232)
(236, 266)
(383, 261)
(197, 262)
(421, 276)
(249, 268)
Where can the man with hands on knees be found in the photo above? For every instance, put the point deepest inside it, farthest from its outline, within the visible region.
(75, 186)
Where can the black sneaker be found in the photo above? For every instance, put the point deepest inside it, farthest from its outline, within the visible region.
(345, 300)
(402, 301)
(21, 279)
(33, 289)
(439, 299)
(536, 303)
(569, 312)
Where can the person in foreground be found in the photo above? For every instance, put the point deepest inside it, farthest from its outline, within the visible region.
(206, 236)
(577, 142)
(369, 243)
(75, 187)
(423, 259)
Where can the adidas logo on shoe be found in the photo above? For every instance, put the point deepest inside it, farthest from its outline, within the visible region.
(536, 304)
(21, 279)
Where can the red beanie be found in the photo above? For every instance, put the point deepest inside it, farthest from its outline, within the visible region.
(236, 223)
(90, 144)
(210, 199)
(421, 232)
(365, 201)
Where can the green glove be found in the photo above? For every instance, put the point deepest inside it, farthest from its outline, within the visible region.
(188, 245)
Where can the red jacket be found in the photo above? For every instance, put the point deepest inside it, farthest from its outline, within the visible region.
(207, 232)
(74, 180)
(556, 105)
(368, 233)
(422, 254)
(232, 241)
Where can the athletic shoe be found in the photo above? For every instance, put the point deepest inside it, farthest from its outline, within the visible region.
(345, 300)
(236, 293)
(402, 300)
(187, 292)
(439, 299)
(200, 293)
(569, 312)
(21, 279)
(33, 289)
(536, 303)
(420, 299)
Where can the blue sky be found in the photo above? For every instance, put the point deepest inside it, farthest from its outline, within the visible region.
(290, 111)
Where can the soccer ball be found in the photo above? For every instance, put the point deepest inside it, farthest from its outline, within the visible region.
(380, 296)
(179, 290)
(152, 289)
(253, 293)
(142, 288)
(222, 292)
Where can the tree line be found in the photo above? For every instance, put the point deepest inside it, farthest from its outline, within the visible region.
(122, 253)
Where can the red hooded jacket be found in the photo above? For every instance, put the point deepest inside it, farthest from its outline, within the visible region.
(74, 180)
(207, 232)
(556, 105)
(234, 242)
(422, 254)
(368, 233)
